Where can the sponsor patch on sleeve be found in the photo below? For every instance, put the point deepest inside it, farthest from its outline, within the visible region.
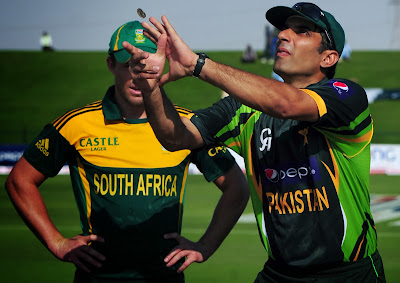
(342, 89)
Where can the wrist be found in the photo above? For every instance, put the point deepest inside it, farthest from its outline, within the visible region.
(55, 244)
(193, 62)
(200, 62)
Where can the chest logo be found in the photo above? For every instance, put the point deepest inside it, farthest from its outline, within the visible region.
(98, 143)
(304, 133)
(266, 139)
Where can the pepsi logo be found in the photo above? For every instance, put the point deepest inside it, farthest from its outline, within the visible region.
(272, 175)
(340, 87)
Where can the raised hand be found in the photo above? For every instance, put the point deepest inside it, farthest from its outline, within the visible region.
(146, 68)
(181, 58)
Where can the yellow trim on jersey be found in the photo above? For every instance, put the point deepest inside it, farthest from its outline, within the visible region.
(189, 116)
(334, 176)
(365, 138)
(320, 102)
(257, 186)
(235, 143)
(86, 186)
(183, 110)
(60, 122)
(359, 249)
(116, 144)
(182, 192)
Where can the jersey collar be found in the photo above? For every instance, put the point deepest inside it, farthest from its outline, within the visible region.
(110, 107)
(111, 111)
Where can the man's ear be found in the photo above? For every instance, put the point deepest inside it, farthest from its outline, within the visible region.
(331, 57)
(110, 64)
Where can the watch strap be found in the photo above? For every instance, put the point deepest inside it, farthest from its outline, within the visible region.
(200, 64)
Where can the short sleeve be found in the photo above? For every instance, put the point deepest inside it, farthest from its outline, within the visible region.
(49, 151)
(213, 161)
(344, 114)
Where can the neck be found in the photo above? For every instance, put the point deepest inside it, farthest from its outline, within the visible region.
(302, 81)
(134, 113)
(130, 110)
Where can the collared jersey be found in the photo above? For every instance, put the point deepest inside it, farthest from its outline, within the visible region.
(128, 188)
(309, 182)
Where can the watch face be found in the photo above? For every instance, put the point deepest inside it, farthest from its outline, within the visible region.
(203, 55)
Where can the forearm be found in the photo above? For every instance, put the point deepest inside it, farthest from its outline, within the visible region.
(267, 95)
(228, 210)
(224, 219)
(173, 132)
(33, 212)
(23, 191)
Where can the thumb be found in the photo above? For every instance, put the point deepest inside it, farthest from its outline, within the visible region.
(130, 48)
(94, 238)
(164, 79)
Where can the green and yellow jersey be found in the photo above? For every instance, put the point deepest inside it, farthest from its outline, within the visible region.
(128, 188)
(309, 182)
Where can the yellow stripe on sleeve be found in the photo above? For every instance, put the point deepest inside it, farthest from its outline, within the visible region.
(318, 99)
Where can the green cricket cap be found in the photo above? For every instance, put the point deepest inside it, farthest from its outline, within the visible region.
(131, 32)
(277, 16)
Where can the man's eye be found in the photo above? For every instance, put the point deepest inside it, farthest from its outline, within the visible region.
(305, 31)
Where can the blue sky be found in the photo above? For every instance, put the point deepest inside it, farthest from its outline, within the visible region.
(204, 25)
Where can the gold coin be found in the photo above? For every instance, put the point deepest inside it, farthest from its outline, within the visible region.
(141, 13)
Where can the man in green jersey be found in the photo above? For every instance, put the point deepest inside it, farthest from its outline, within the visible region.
(305, 142)
(128, 188)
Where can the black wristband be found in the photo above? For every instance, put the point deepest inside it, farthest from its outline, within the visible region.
(200, 64)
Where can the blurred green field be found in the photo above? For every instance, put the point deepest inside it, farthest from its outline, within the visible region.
(38, 87)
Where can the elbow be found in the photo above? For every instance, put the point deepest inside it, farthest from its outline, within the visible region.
(11, 188)
(171, 147)
(280, 111)
(172, 144)
(8, 185)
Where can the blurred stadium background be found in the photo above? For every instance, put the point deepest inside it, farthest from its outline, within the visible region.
(37, 87)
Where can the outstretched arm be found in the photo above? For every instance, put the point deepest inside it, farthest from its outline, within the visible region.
(173, 131)
(281, 100)
(235, 195)
(22, 187)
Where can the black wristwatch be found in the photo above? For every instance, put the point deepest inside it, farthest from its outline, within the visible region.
(200, 64)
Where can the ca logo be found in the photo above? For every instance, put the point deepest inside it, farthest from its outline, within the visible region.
(265, 141)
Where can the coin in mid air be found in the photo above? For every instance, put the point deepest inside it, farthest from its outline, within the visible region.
(141, 13)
